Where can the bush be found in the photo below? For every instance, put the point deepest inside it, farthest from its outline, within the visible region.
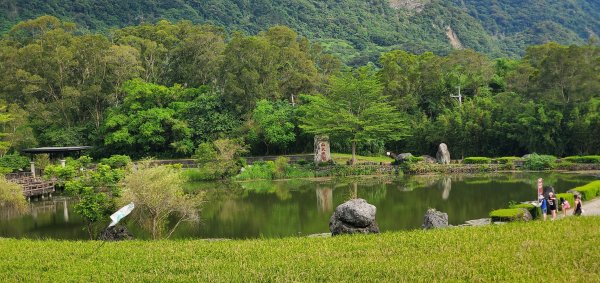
(477, 160)
(539, 162)
(281, 164)
(568, 197)
(11, 196)
(583, 159)
(507, 160)
(117, 161)
(507, 214)
(258, 171)
(14, 162)
(589, 191)
(536, 212)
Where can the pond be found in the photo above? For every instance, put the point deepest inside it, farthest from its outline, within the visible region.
(303, 207)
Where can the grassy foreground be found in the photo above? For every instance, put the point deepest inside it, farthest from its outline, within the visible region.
(513, 252)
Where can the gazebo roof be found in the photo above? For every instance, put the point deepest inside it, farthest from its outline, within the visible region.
(63, 149)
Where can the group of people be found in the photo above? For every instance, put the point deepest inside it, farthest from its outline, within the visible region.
(549, 205)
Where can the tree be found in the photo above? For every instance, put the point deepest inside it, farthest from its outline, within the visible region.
(272, 124)
(354, 108)
(159, 196)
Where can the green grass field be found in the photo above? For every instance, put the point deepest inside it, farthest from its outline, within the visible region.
(342, 158)
(515, 252)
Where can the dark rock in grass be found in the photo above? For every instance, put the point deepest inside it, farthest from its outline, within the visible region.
(354, 217)
(435, 219)
(403, 157)
(526, 215)
(115, 233)
(443, 154)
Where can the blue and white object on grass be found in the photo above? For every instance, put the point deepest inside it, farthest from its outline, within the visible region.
(120, 214)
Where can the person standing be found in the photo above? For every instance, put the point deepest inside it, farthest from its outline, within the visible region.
(565, 206)
(552, 205)
(543, 205)
(577, 204)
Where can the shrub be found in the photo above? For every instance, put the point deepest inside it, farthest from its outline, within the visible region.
(507, 160)
(568, 197)
(507, 214)
(583, 159)
(477, 160)
(11, 196)
(539, 162)
(535, 211)
(259, 170)
(61, 173)
(589, 191)
(14, 162)
(117, 161)
(159, 197)
(281, 163)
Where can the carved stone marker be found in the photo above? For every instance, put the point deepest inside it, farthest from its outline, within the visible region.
(322, 152)
(443, 155)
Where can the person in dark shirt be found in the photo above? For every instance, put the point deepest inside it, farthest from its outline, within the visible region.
(577, 205)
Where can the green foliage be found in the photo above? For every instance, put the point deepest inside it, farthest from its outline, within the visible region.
(355, 108)
(158, 196)
(589, 191)
(117, 161)
(539, 162)
(477, 160)
(219, 159)
(258, 171)
(507, 160)
(281, 165)
(507, 214)
(583, 159)
(272, 124)
(535, 211)
(14, 162)
(11, 196)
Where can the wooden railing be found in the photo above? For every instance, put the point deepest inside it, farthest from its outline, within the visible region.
(32, 186)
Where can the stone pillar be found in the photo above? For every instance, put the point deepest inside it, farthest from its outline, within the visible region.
(63, 162)
(322, 152)
(32, 165)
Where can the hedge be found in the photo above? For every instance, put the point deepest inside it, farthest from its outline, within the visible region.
(589, 191)
(507, 159)
(508, 214)
(536, 211)
(477, 160)
(583, 159)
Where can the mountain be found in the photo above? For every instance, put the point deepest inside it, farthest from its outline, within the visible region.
(355, 30)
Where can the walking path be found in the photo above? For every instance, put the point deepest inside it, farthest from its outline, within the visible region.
(591, 207)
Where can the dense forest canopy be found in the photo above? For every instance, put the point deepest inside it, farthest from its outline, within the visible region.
(356, 31)
(163, 89)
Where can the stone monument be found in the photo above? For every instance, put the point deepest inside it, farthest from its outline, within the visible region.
(322, 152)
(443, 155)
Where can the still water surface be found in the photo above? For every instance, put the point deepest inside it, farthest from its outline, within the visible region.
(303, 207)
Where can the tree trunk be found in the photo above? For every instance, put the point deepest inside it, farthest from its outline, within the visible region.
(353, 160)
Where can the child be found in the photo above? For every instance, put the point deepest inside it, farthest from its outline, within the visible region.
(552, 205)
(565, 206)
(543, 205)
(577, 205)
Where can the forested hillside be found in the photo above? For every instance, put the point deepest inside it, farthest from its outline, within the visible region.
(357, 31)
(164, 89)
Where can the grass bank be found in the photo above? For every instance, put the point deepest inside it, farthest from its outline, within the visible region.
(515, 252)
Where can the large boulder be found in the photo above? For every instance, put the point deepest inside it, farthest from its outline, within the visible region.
(115, 233)
(403, 157)
(435, 219)
(443, 154)
(354, 217)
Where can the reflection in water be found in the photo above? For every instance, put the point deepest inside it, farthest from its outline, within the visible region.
(324, 199)
(287, 208)
(447, 185)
